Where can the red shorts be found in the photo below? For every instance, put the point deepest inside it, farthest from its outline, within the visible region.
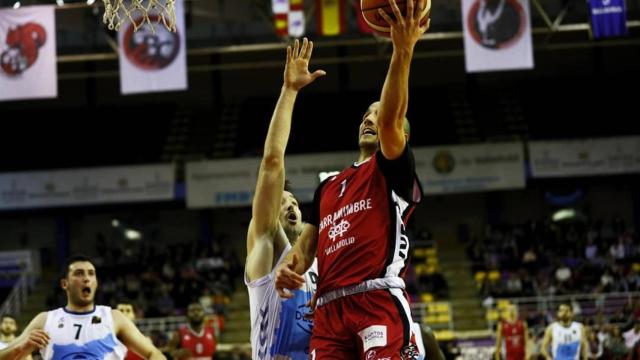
(515, 355)
(373, 325)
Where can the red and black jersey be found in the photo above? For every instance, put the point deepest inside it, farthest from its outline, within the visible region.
(360, 215)
(202, 346)
(514, 339)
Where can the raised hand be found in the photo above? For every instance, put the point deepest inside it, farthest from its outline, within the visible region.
(296, 71)
(406, 30)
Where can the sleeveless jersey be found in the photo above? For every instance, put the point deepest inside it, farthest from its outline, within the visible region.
(360, 214)
(565, 343)
(87, 335)
(202, 346)
(514, 339)
(278, 326)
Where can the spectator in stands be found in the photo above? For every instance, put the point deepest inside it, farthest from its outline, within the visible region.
(635, 352)
(8, 330)
(616, 347)
(594, 345)
(632, 336)
(195, 340)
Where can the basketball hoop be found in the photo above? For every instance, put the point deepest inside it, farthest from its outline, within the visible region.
(139, 13)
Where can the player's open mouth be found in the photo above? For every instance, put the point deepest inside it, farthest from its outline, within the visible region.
(292, 217)
(86, 290)
(368, 131)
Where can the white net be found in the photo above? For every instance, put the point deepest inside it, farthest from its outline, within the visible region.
(139, 13)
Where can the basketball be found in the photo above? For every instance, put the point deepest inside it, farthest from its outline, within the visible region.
(377, 22)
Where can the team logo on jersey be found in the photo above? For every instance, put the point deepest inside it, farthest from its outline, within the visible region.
(409, 352)
(371, 354)
(339, 229)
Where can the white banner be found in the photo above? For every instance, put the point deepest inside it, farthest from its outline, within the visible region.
(153, 62)
(447, 169)
(87, 186)
(467, 168)
(28, 68)
(232, 182)
(585, 157)
(497, 35)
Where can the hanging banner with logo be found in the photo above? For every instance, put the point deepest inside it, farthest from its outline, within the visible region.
(232, 182)
(153, 59)
(87, 186)
(447, 169)
(587, 157)
(608, 18)
(497, 35)
(469, 168)
(28, 68)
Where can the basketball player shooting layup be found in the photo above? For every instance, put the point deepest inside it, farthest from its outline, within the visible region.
(81, 329)
(357, 227)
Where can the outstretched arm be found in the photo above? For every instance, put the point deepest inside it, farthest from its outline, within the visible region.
(394, 100)
(32, 338)
(133, 339)
(298, 260)
(266, 201)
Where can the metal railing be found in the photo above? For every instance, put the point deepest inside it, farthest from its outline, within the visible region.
(164, 324)
(17, 298)
(584, 305)
(438, 315)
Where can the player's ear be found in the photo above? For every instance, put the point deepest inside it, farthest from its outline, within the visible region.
(64, 283)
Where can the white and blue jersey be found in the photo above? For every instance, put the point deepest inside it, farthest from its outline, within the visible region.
(278, 326)
(566, 341)
(85, 336)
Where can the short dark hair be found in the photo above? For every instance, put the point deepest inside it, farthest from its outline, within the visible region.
(70, 260)
(287, 185)
(7, 316)
(127, 302)
(565, 304)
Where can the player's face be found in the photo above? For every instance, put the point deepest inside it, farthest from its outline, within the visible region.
(368, 133)
(290, 215)
(195, 313)
(565, 313)
(81, 283)
(8, 326)
(510, 313)
(127, 311)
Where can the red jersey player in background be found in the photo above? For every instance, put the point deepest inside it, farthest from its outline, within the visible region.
(195, 340)
(515, 334)
(357, 227)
